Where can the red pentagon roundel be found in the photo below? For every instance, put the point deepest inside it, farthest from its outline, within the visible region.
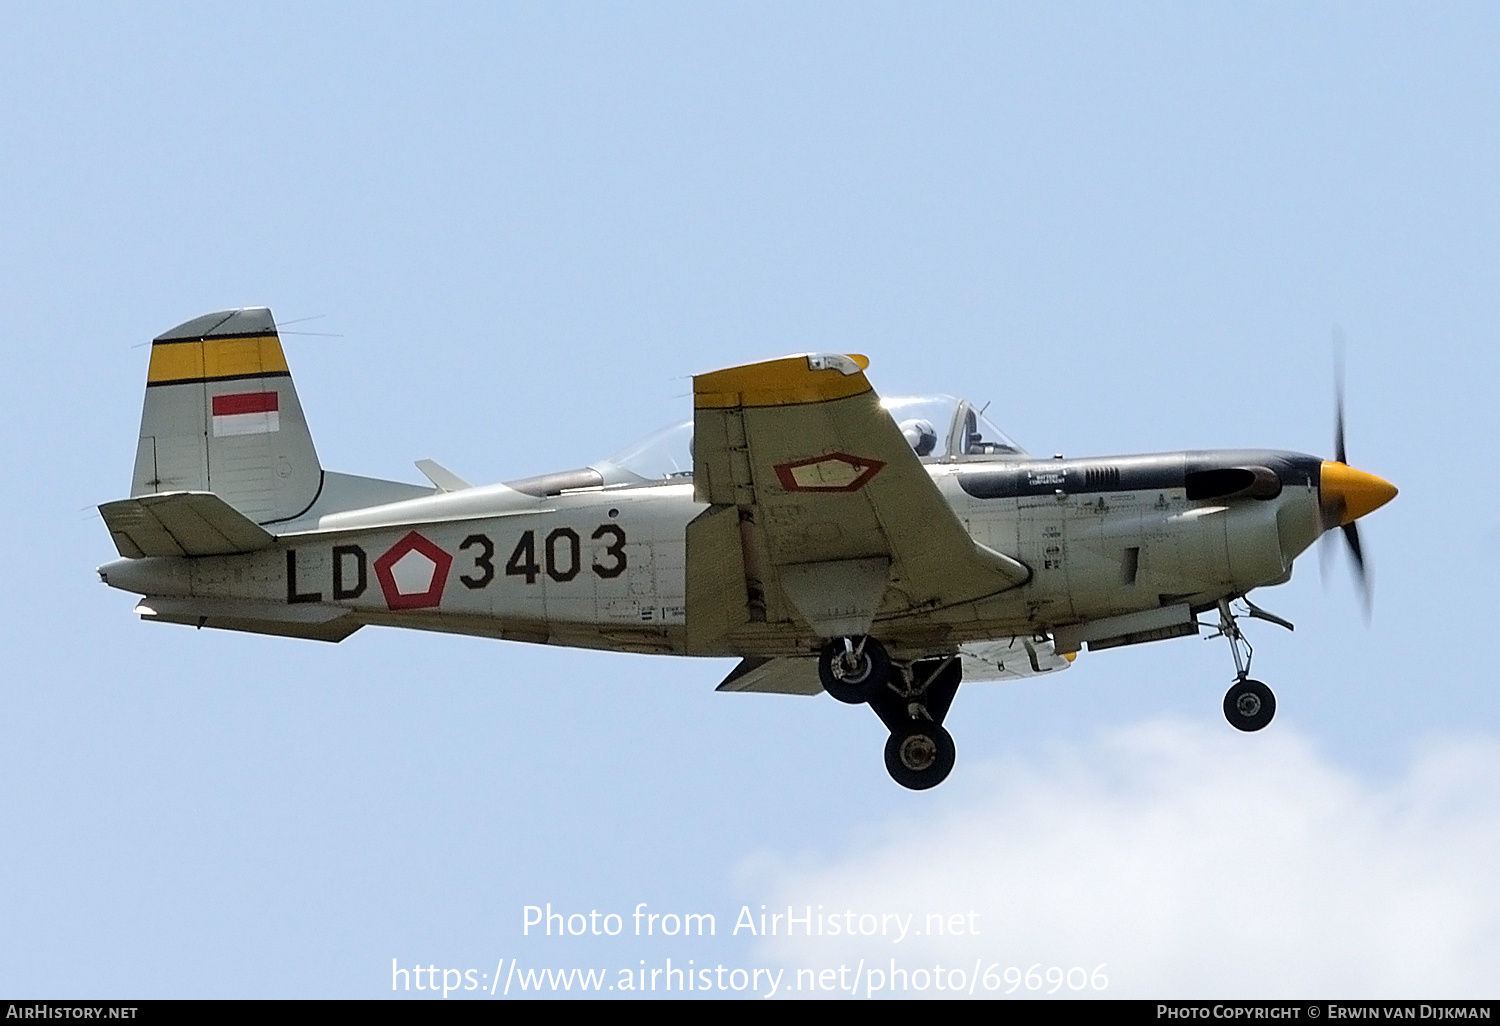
(831, 472)
(412, 573)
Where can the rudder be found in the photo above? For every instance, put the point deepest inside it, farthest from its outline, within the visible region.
(221, 415)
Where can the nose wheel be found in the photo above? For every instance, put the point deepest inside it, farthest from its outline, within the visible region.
(1249, 705)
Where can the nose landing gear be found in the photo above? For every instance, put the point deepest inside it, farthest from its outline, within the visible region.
(1249, 705)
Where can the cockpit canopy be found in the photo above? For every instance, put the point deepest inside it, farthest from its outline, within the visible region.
(663, 455)
(938, 428)
(942, 427)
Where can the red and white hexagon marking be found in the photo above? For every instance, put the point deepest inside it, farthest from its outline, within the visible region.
(412, 573)
(834, 472)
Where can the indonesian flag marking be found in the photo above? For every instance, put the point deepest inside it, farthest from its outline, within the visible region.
(246, 413)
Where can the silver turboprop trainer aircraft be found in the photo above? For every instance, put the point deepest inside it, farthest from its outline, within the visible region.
(881, 550)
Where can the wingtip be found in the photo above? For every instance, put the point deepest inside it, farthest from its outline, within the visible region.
(788, 381)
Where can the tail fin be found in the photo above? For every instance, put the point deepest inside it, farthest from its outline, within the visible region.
(222, 416)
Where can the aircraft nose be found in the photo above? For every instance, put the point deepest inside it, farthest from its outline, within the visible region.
(1347, 494)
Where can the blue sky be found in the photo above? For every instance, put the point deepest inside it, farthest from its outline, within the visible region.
(522, 228)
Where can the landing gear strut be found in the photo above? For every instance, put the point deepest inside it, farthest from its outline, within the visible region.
(911, 699)
(1249, 704)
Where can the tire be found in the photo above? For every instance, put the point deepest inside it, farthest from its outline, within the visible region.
(920, 755)
(1249, 705)
(854, 685)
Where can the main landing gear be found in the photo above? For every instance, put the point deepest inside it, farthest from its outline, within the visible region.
(911, 699)
(1249, 704)
(853, 669)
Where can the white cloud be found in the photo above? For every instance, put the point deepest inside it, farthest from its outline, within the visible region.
(1196, 863)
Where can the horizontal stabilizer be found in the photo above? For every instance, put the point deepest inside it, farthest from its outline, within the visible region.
(779, 676)
(181, 524)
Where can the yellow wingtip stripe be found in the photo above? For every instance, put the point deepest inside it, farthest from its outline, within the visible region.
(784, 382)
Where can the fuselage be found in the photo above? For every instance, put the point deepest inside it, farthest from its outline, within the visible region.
(605, 567)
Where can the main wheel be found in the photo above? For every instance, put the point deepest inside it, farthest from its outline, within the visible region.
(1249, 705)
(919, 755)
(853, 676)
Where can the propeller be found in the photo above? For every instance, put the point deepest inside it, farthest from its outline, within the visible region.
(1348, 494)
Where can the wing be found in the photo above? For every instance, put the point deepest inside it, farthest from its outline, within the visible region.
(821, 518)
